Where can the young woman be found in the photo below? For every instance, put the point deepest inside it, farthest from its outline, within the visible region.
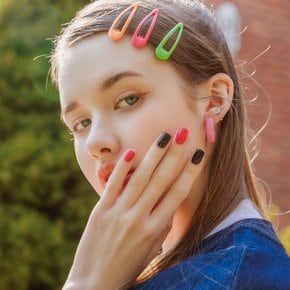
(150, 93)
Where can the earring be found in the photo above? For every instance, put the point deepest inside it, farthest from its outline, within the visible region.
(216, 110)
(209, 130)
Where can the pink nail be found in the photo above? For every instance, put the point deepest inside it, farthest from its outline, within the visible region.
(129, 155)
(181, 135)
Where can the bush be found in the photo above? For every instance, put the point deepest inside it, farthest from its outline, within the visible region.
(44, 199)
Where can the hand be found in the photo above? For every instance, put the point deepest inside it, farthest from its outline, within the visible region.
(125, 231)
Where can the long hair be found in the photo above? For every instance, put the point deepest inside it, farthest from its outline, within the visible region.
(201, 53)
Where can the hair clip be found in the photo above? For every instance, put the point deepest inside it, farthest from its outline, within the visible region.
(117, 34)
(139, 41)
(160, 51)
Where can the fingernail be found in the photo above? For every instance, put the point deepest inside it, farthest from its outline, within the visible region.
(163, 140)
(197, 156)
(129, 155)
(181, 135)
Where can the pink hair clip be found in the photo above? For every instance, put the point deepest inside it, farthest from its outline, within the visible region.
(117, 34)
(139, 41)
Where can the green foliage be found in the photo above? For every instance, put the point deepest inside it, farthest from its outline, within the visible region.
(44, 199)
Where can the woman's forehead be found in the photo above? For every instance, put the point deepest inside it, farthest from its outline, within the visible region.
(98, 57)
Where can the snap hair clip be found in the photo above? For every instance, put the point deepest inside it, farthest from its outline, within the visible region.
(139, 41)
(160, 51)
(117, 34)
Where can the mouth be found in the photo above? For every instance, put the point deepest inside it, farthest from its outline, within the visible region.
(105, 172)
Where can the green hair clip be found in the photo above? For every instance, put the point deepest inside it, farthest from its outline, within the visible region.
(160, 51)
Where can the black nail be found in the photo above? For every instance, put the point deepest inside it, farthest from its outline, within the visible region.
(163, 140)
(197, 156)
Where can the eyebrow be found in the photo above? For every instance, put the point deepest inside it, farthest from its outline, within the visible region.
(69, 108)
(113, 79)
(105, 85)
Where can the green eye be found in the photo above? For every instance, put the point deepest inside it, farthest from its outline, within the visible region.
(81, 125)
(127, 102)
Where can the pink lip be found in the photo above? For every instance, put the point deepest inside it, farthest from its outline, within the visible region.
(104, 173)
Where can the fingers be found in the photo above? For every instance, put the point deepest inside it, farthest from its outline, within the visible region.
(153, 177)
(165, 174)
(179, 190)
(117, 179)
(146, 168)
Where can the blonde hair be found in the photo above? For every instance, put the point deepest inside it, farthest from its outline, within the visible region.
(201, 53)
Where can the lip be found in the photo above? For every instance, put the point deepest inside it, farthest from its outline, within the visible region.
(104, 173)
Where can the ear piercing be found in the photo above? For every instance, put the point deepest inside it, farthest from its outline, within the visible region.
(216, 110)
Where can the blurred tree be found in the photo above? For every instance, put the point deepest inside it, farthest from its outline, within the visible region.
(44, 200)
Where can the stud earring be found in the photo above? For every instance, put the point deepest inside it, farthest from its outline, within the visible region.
(209, 130)
(216, 110)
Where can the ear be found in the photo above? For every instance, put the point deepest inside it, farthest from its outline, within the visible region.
(219, 90)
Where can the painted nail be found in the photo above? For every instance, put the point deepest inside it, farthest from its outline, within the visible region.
(181, 135)
(129, 155)
(163, 140)
(197, 156)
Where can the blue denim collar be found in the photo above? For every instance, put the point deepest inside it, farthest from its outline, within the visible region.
(262, 226)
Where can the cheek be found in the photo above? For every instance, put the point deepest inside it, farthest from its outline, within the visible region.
(142, 129)
(87, 165)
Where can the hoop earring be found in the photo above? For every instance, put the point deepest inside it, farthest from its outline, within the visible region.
(209, 130)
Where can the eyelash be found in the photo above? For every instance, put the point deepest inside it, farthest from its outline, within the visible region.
(126, 98)
(136, 100)
(74, 128)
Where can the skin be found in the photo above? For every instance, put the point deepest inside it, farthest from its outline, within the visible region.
(108, 118)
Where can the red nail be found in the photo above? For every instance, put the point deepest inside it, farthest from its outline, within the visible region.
(181, 135)
(129, 155)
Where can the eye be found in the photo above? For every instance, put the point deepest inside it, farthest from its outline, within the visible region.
(79, 126)
(126, 101)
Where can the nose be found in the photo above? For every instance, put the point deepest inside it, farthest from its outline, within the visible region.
(102, 141)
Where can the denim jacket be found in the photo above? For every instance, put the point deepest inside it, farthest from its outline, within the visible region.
(245, 255)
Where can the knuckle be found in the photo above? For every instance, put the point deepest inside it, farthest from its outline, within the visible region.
(151, 230)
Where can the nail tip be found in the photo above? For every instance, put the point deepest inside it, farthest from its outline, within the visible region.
(197, 156)
(163, 140)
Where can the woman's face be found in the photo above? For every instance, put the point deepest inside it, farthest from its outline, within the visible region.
(114, 97)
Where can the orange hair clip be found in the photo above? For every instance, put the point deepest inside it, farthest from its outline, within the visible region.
(117, 34)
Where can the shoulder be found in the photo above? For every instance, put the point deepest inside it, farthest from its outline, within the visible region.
(246, 255)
